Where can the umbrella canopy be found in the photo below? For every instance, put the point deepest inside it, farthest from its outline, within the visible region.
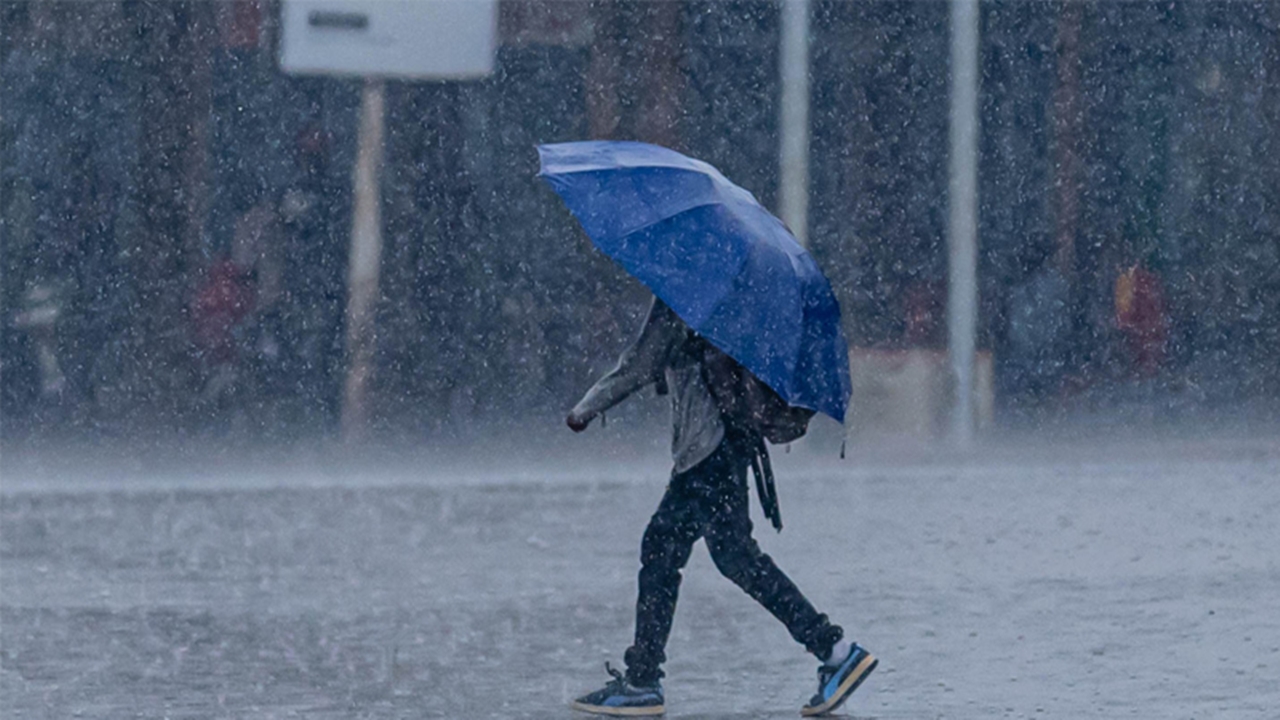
(707, 248)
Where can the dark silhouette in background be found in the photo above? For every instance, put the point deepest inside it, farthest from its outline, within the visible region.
(135, 135)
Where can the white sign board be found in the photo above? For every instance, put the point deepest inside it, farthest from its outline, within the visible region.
(441, 39)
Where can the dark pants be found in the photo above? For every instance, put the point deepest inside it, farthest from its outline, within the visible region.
(710, 500)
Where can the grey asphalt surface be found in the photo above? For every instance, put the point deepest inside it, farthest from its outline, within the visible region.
(1073, 582)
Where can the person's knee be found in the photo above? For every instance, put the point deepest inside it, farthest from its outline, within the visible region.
(663, 550)
(737, 561)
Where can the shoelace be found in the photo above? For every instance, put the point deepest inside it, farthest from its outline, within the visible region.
(618, 678)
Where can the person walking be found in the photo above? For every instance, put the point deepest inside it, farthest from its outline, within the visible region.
(707, 497)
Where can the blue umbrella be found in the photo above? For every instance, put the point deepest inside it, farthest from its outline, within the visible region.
(708, 249)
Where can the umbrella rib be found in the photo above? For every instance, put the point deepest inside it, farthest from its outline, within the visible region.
(628, 172)
(650, 224)
(794, 360)
(605, 171)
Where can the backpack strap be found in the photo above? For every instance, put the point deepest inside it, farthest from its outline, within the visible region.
(744, 436)
(765, 489)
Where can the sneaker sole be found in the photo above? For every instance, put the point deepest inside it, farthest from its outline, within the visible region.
(618, 711)
(846, 688)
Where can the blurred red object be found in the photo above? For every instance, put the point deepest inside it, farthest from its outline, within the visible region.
(1141, 317)
(223, 301)
(241, 23)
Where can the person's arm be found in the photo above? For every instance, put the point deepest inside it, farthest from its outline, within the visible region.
(641, 364)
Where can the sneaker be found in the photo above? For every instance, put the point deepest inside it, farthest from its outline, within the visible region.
(837, 682)
(619, 697)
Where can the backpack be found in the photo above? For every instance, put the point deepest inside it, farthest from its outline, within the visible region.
(747, 403)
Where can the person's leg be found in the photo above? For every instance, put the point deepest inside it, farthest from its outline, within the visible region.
(844, 665)
(740, 559)
(672, 531)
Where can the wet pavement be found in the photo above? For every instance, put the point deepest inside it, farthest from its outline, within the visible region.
(1071, 584)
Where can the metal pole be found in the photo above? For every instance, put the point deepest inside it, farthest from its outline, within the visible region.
(962, 241)
(366, 252)
(794, 118)
(1067, 120)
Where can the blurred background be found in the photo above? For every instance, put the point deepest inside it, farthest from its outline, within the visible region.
(176, 211)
